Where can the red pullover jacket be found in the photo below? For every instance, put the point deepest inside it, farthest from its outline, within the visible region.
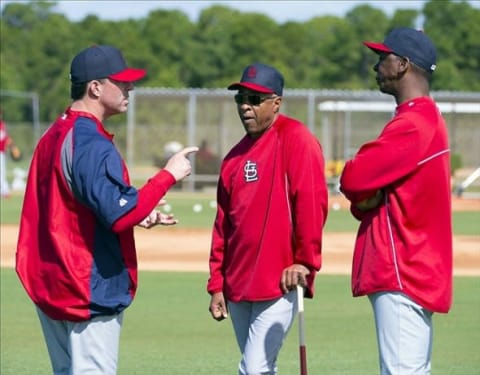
(76, 254)
(272, 205)
(405, 244)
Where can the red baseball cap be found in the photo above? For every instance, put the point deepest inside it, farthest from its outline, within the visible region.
(103, 61)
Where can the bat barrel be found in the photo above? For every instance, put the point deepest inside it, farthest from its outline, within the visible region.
(303, 360)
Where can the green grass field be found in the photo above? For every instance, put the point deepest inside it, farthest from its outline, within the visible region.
(168, 330)
(464, 222)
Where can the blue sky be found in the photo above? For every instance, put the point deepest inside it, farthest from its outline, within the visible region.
(280, 11)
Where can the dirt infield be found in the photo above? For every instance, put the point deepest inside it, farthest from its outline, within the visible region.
(177, 249)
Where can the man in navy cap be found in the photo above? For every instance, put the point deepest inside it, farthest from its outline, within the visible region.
(76, 253)
(267, 236)
(399, 189)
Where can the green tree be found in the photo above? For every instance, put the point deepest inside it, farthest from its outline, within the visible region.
(251, 43)
(212, 55)
(168, 35)
(404, 18)
(38, 43)
(31, 49)
(300, 53)
(321, 70)
(455, 28)
(367, 23)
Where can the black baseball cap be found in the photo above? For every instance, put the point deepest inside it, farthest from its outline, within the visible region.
(261, 78)
(411, 43)
(102, 61)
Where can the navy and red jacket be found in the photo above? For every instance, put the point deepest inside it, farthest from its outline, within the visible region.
(76, 254)
(404, 244)
(272, 206)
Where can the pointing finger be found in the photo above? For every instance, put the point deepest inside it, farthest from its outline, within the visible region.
(188, 150)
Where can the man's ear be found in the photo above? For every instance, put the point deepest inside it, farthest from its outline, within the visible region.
(404, 64)
(94, 88)
(277, 102)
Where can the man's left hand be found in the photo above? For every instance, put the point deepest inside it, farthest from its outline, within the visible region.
(294, 275)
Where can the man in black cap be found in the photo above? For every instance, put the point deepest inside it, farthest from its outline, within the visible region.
(267, 237)
(399, 189)
(76, 253)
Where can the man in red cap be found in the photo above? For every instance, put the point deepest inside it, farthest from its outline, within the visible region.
(76, 254)
(267, 238)
(399, 189)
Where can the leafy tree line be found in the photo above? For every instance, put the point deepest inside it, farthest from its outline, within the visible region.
(38, 43)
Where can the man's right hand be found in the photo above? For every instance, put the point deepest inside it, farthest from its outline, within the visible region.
(217, 307)
(179, 165)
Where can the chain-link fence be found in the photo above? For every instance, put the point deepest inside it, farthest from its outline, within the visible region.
(341, 120)
(159, 121)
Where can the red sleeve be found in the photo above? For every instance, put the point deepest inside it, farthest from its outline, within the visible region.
(379, 163)
(308, 193)
(148, 197)
(217, 252)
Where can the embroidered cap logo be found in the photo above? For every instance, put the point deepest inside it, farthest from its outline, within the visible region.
(252, 72)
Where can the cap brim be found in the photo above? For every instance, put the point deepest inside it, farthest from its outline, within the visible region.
(377, 47)
(128, 75)
(250, 86)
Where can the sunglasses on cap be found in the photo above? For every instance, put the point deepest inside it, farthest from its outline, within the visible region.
(251, 99)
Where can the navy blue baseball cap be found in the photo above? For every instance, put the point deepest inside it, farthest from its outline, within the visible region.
(261, 78)
(99, 62)
(411, 43)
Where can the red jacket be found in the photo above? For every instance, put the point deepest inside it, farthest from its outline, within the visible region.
(272, 205)
(76, 254)
(405, 244)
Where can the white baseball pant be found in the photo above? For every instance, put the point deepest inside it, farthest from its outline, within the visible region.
(261, 329)
(88, 347)
(404, 334)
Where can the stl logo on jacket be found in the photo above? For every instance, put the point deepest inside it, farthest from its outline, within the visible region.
(251, 172)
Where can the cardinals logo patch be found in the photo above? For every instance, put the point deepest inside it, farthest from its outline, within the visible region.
(251, 172)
